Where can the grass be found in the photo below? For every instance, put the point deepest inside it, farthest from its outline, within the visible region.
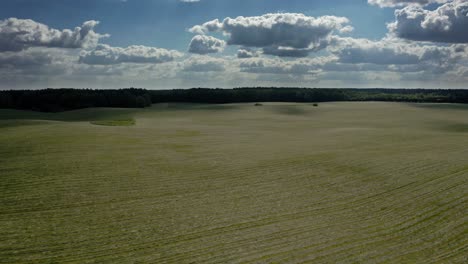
(283, 183)
(125, 122)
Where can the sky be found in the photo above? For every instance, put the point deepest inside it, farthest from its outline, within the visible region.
(165, 44)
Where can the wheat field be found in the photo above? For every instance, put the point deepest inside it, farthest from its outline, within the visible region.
(279, 183)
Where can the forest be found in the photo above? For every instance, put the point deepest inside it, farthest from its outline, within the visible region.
(57, 100)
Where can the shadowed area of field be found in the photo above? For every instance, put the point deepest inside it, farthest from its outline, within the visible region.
(278, 183)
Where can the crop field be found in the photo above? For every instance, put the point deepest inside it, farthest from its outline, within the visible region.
(237, 183)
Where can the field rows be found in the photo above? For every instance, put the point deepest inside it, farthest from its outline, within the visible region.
(283, 183)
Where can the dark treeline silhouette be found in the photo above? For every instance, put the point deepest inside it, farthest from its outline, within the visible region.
(55, 100)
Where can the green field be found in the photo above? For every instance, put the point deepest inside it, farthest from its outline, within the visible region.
(278, 183)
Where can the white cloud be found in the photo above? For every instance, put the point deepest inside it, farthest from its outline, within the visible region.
(399, 3)
(342, 61)
(204, 64)
(22, 59)
(244, 53)
(280, 34)
(20, 34)
(448, 23)
(202, 44)
(106, 55)
(397, 54)
(304, 66)
(351, 50)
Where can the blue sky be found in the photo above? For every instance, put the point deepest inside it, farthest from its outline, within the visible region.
(382, 43)
(163, 23)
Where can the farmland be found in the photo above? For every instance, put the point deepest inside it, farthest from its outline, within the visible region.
(194, 183)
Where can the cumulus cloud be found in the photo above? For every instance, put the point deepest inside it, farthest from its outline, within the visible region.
(278, 66)
(280, 34)
(245, 53)
(351, 50)
(395, 52)
(337, 66)
(362, 55)
(314, 66)
(292, 52)
(397, 3)
(27, 68)
(202, 44)
(448, 23)
(24, 59)
(342, 62)
(106, 55)
(20, 34)
(204, 64)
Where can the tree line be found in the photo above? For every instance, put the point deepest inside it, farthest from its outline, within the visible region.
(56, 100)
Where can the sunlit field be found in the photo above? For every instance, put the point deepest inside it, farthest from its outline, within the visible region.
(237, 183)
